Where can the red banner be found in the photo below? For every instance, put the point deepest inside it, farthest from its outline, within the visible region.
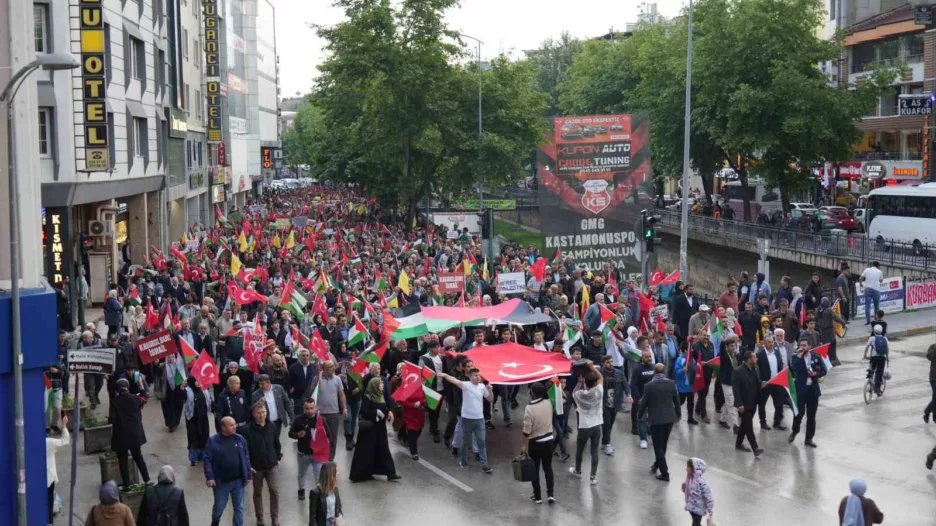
(921, 294)
(156, 347)
(451, 282)
(512, 363)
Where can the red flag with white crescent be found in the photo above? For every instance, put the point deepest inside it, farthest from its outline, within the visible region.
(204, 370)
(514, 364)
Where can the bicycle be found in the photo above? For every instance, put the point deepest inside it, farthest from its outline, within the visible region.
(869, 391)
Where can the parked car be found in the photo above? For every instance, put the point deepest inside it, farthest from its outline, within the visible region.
(861, 220)
(572, 134)
(831, 219)
(805, 208)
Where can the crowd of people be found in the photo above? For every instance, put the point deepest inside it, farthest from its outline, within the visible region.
(297, 317)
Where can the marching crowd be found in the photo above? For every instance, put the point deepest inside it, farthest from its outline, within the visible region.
(295, 317)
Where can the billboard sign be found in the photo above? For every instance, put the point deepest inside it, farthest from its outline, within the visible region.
(921, 293)
(595, 177)
(93, 103)
(892, 296)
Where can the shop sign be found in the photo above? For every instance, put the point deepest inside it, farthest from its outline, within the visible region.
(217, 194)
(196, 180)
(873, 170)
(222, 154)
(212, 70)
(923, 15)
(914, 107)
(266, 154)
(120, 232)
(58, 245)
(850, 170)
(93, 101)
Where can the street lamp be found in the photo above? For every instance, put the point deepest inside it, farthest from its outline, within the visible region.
(480, 120)
(684, 220)
(48, 62)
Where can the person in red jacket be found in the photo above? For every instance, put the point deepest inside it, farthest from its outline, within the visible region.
(414, 418)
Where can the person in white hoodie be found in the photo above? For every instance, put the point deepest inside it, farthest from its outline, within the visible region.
(699, 499)
(52, 445)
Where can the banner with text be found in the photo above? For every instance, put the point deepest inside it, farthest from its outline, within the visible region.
(892, 296)
(595, 177)
(156, 346)
(511, 283)
(451, 282)
(921, 293)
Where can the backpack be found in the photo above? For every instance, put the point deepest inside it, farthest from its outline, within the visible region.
(880, 345)
(164, 516)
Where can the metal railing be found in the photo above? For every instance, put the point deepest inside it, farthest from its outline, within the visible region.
(852, 246)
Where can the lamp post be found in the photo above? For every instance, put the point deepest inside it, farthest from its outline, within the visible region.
(48, 62)
(480, 120)
(684, 220)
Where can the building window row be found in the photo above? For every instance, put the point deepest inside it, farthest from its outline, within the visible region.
(890, 52)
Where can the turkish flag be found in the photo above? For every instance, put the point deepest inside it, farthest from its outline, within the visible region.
(514, 364)
(204, 370)
(317, 345)
(319, 306)
(657, 277)
(318, 442)
(244, 296)
(539, 269)
(412, 380)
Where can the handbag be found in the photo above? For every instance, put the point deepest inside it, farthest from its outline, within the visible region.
(710, 521)
(524, 469)
(365, 425)
(340, 521)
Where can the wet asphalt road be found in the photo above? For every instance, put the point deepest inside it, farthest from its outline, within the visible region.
(884, 442)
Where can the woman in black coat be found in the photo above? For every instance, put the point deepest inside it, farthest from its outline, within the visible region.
(372, 451)
(325, 500)
(127, 435)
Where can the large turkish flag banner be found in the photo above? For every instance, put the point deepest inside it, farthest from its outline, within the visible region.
(513, 364)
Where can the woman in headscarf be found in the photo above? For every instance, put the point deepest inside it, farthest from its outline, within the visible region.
(764, 330)
(858, 510)
(170, 389)
(110, 512)
(826, 318)
(164, 496)
(136, 323)
(197, 406)
(372, 451)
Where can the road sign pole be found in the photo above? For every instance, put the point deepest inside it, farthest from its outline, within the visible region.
(76, 425)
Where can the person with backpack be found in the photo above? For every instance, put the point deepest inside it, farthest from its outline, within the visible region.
(164, 503)
(110, 512)
(878, 346)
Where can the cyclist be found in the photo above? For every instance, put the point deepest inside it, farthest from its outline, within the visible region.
(878, 347)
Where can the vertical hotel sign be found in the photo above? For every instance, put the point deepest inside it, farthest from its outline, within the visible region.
(93, 86)
(212, 69)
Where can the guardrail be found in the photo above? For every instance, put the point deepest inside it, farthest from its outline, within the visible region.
(854, 246)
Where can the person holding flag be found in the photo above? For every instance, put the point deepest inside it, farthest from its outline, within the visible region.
(169, 388)
(305, 430)
(808, 367)
(769, 363)
(684, 370)
(746, 386)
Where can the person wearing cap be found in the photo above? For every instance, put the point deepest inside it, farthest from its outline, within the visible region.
(110, 511)
(699, 320)
(127, 435)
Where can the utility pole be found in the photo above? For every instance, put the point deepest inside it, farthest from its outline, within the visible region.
(684, 220)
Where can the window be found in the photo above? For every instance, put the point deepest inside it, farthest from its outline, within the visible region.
(188, 96)
(45, 132)
(137, 59)
(195, 50)
(107, 58)
(832, 9)
(160, 71)
(41, 21)
(188, 154)
(889, 101)
(201, 149)
(185, 43)
(139, 138)
(196, 102)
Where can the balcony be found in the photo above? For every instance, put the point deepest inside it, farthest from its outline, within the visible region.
(889, 156)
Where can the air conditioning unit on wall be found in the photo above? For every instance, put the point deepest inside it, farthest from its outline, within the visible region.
(98, 228)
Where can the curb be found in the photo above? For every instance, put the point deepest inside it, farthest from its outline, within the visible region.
(903, 333)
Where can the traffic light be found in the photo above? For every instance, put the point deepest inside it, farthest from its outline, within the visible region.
(650, 229)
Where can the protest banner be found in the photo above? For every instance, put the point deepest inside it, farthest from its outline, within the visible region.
(156, 346)
(511, 283)
(451, 282)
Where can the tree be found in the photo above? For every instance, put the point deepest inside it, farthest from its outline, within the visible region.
(759, 103)
(400, 111)
(299, 142)
(552, 62)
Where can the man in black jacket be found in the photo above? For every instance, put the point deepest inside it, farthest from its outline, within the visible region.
(594, 348)
(301, 431)
(661, 403)
(433, 361)
(232, 402)
(203, 340)
(127, 435)
(301, 377)
(746, 389)
(769, 363)
(684, 306)
(705, 351)
(640, 376)
(750, 322)
(263, 446)
(728, 355)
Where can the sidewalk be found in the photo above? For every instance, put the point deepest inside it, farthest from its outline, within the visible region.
(899, 325)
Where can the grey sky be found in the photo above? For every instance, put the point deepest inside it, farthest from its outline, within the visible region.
(503, 25)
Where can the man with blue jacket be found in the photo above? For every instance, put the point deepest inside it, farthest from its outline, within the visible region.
(808, 368)
(227, 470)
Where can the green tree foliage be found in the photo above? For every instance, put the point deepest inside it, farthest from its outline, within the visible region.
(300, 142)
(552, 62)
(400, 106)
(759, 103)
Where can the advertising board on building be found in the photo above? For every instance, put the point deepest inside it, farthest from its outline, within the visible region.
(921, 293)
(92, 106)
(58, 244)
(892, 296)
(266, 157)
(212, 69)
(595, 177)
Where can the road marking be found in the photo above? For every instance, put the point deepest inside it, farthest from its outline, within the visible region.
(902, 390)
(454, 481)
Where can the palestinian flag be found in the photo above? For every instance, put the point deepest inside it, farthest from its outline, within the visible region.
(292, 300)
(188, 353)
(221, 217)
(374, 355)
(135, 298)
(785, 380)
(608, 321)
(358, 332)
(572, 337)
(179, 377)
(714, 364)
(555, 394)
(558, 257)
(823, 351)
(323, 283)
(380, 282)
(433, 398)
(49, 393)
(356, 373)
(428, 376)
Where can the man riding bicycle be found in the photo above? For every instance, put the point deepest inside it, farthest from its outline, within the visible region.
(878, 347)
